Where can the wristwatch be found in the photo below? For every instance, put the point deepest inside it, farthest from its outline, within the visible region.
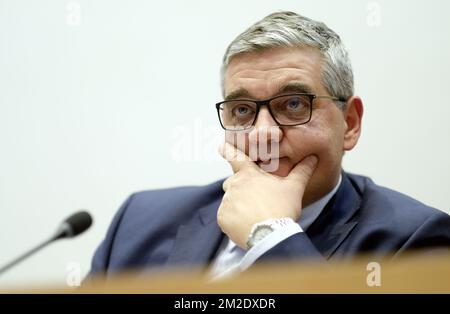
(262, 229)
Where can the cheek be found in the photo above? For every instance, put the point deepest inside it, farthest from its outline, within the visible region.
(306, 141)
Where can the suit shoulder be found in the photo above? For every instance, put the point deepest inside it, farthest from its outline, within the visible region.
(168, 202)
(146, 224)
(391, 207)
(181, 193)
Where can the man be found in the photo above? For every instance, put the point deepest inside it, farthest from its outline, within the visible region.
(287, 86)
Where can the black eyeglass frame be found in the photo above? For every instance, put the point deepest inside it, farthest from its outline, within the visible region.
(266, 102)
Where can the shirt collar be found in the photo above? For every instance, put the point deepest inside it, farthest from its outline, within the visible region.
(310, 213)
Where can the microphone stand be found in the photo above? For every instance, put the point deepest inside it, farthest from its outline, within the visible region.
(25, 255)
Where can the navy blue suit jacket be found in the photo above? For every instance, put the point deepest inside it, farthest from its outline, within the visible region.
(178, 227)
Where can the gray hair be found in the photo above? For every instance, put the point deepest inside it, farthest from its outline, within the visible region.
(288, 29)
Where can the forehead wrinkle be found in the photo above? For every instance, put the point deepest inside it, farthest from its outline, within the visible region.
(263, 77)
(270, 60)
(281, 74)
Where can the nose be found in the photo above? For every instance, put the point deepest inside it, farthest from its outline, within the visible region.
(265, 128)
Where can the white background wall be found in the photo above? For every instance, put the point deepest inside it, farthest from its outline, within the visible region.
(95, 106)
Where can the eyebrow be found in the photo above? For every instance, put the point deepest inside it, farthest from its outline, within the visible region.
(291, 87)
(295, 87)
(239, 93)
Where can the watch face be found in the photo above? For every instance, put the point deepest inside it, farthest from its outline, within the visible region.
(261, 232)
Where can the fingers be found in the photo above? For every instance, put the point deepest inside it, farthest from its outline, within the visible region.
(237, 159)
(303, 171)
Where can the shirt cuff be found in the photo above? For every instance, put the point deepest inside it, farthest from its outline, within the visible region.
(269, 242)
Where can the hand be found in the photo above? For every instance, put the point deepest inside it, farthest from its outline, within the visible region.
(253, 195)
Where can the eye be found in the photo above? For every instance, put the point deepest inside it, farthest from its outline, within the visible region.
(241, 110)
(294, 103)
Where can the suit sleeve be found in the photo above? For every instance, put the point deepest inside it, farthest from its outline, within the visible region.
(432, 236)
(295, 247)
(100, 261)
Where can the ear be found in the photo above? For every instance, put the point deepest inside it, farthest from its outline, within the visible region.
(353, 117)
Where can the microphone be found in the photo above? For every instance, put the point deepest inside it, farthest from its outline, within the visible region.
(72, 226)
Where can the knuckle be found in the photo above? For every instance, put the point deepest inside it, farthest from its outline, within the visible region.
(225, 185)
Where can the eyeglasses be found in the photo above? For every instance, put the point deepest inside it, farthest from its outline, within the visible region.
(286, 110)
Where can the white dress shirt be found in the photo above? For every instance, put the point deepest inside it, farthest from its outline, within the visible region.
(231, 259)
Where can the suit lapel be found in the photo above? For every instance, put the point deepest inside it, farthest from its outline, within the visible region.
(335, 239)
(337, 219)
(198, 240)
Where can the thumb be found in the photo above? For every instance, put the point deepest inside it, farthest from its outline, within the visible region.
(303, 171)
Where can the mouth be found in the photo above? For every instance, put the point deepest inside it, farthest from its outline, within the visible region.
(265, 162)
(270, 160)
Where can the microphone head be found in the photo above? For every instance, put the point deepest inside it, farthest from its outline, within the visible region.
(74, 225)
